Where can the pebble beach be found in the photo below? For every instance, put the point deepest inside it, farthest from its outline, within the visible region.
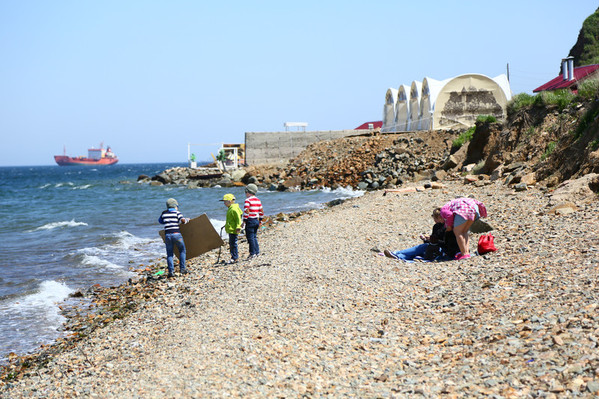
(321, 314)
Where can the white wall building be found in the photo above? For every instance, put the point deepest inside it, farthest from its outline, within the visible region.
(445, 104)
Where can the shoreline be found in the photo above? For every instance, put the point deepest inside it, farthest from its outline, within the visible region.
(320, 314)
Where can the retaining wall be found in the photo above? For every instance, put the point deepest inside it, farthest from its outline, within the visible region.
(280, 147)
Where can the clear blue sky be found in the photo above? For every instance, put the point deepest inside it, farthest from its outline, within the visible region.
(148, 77)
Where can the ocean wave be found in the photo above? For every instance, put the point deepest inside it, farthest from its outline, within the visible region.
(126, 240)
(41, 303)
(70, 184)
(344, 192)
(54, 225)
(82, 187)
(92, 260)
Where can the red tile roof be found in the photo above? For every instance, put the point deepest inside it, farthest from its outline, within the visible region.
(376, 125)
(560, 83)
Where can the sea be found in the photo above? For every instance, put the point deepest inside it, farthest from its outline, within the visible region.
(68, 228)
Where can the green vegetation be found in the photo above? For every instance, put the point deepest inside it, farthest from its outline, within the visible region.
(561, 98)
(548, 150)
(586, 120)
(463, 138)
(593, 145)
(486, 119)
(520, 101)
(588, 89)
(586, 49)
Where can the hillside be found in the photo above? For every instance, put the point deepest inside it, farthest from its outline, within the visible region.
(539, 145)
(586, 49)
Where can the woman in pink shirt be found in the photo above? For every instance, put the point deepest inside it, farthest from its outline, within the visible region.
(459, 215)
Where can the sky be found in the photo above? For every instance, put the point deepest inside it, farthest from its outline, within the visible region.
(149, 77)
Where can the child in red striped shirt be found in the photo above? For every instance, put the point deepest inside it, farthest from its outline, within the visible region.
(252, 217)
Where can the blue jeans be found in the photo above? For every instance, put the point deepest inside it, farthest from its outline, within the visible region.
(233, 246)
(171, 240)
(411, 253)
(251, 233)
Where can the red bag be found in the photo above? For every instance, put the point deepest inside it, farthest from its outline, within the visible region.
(486, 244)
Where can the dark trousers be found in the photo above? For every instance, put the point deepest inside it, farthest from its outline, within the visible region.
(233, 246)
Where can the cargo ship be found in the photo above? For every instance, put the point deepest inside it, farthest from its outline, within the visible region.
(95, 156)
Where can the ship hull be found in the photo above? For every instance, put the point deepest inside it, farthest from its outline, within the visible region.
(64, 160)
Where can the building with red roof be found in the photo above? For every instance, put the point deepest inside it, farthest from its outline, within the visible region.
(570, 76)
(370, 125)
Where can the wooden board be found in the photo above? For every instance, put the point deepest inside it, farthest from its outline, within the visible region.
(199, 236)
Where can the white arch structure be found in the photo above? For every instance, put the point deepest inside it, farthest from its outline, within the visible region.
(402, 109)
(415, 92)
(450, 103)
(389, 110)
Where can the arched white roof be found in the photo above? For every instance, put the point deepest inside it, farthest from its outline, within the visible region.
(402, 108)
(415, 91)
(504, 83)
(389, 110)
(430, 90)
(463, 98)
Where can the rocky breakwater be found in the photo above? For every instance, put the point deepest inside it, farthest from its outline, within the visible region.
(196, 177)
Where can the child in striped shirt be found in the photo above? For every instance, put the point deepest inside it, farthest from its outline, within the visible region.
(171, 218)
(252, 217)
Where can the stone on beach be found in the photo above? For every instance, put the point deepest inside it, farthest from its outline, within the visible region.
(318, 314)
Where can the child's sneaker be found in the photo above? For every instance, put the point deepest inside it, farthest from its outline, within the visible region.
(462, 257)
(389, 254)
(231, 261)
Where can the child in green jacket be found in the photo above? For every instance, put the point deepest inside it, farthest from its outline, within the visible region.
(232, 225)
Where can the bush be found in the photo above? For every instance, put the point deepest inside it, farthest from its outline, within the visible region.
(520, 101)
(586, 120)
(550, 148)
(486, 119)
(561, 98)
(463, 138)
(588, 89)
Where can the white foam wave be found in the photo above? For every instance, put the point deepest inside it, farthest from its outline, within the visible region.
(82, 187)
(344, 192)
(41, 303)
(91, 260)
(126, 240)
(54, 225)
(57, 185)
(45, 186)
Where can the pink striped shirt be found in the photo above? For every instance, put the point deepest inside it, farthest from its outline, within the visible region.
(465, 207)
(252, 208)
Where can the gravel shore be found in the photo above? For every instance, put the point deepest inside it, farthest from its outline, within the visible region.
(319, 313)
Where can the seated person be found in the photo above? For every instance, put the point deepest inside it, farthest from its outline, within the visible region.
(440, 245)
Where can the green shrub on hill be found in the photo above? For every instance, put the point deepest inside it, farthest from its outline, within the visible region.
(519, 101)
(486, 119)
(585, 121)
(561, 98)
(462, 138)
(588, 89)
(548, 150)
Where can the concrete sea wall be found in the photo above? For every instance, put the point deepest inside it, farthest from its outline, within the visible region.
(279, 147)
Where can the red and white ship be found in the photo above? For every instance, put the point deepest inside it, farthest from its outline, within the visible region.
(95, 156)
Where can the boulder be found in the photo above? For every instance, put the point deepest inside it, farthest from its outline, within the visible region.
(529, 179)
(480, 226)
(238, 174)
(581, 190)
(563, 208)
